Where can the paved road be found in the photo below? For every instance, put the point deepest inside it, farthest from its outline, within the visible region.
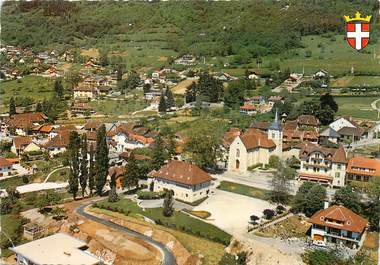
(168, 257)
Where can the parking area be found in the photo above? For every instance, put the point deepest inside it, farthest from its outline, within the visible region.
(231, 212)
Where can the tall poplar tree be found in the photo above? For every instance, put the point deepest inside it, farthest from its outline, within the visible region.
(92, 170)
(12, 106)
(73, 150)
(101, 159)
(83, 178)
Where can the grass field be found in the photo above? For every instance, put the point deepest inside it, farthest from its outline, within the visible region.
(60, 175)
(35, 87)
(116, 108)
(10, 225)
(211, 251)
(178, 221)
(243, 190)
(356, 81)
(357, 107)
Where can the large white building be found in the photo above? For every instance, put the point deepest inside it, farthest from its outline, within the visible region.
(323, 165)
(188, 182)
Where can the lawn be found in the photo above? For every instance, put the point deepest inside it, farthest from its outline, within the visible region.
(61, 175)
(371, 246)
(179, 221)
(10, 225)
(35, 87)
(119, 107)
(357, 107)
(356, 81)
(293, 226)
(243, 190)
(211, 251)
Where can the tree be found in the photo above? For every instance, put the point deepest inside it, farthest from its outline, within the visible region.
(280, 183)
(73, 150)
(119, 71)
(133, 80)
(146, 88)
(299, 202)
(234, 95)
(162, 105)
(328, 100)
(231, 259)
(83, 178)
(12, 106)
(348, 198)
(159, 155)
(254, 219)
(112, 196)
(170, 103)
(274, 161)
(91, 171)
(209, 87)
(325, 115)
(167, 209)
(133, 173)
(58, 88)
(72, 78)
(101, 159)
(191, 93)
(203, 145)
(103, 57)
(39, 107)
(373, 208)
(314, 199)
(268, 214)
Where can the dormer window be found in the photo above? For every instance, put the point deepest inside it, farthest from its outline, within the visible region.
(348, 222)
(322, 218)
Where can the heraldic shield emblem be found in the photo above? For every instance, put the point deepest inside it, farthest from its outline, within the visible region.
(357, 31)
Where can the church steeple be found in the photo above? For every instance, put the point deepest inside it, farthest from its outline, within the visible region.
(276, 124)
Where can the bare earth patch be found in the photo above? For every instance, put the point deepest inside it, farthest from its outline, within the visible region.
(90, 52)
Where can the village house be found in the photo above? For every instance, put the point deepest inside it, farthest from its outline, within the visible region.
(323, 165)
(273, 99)
(120, 175)
(129, 136)
(351, 134)
(44, 129)
(338, 225)
(188, 182)
(85, 92)
(248, 109)
(92, 126)
(24, 122)
(362, 169)
(5, 167)
(305, 121)
(330, 135)
(59, 143)
(255, 147)
(81, 108)
(23, 144)
(342, 122)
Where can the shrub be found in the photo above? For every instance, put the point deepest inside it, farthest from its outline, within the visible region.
(268, 214)
(280, 209)
(150, 195)
(254, 219)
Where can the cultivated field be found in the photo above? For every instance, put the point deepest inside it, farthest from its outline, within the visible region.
(357, 107)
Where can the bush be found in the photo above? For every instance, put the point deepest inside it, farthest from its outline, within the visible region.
(254, 219)
(268, 214)
(150, 195)
(280, 209)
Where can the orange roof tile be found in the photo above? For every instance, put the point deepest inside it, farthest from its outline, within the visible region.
(357, 163)
(352, 221)
(182, 172)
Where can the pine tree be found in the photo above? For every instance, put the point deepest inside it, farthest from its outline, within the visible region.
(83, 165)
(73, 150)
(168, 209)
(159, 156)
(119, 72)
(58, 88)
(12, 106)
(170, 103)
(112, 196)
(162, 105)
(101, 159)
(92, 171)
(133, 172)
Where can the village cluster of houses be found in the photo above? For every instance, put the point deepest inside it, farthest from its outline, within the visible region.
(321, 153)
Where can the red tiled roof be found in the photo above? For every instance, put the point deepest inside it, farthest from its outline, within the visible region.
(92, 125)
(364, 163)
(182, 172)
(317, 177)
(26, 120)
(352, 221)
(46, 128)
(4, 162)
(254, 138)
(230, 136)
(337, 155)
(21, 141)
(308, 120)
(248, 106)
(62, 139)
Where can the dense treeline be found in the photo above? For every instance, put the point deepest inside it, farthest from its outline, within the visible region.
(255, 27)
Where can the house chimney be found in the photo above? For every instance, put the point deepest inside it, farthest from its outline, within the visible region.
(258, 142)
(325, 204)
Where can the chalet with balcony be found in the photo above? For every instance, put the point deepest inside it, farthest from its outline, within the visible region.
(323, 165)
(362, 169)
(338, 225)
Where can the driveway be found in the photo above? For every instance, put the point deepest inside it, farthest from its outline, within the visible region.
(168, 257)
(231, 211)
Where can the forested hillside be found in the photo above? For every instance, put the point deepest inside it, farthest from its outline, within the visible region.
(257, 28)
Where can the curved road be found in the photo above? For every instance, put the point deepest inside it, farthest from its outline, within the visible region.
(168, 257)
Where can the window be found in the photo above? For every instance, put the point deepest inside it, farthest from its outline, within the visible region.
(237, 152)
(337, 175)
(339, 166)
(273, 135)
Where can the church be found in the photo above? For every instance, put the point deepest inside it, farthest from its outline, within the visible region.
(255, 147)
